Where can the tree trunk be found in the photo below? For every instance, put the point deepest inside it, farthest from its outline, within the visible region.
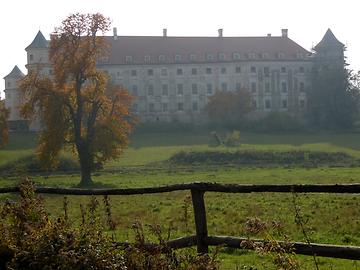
(86, 163)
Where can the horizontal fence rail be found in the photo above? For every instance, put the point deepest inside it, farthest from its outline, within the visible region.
(202, 240)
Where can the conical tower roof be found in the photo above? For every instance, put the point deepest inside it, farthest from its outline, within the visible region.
(329, 40)
(15, 73)
(39, 42)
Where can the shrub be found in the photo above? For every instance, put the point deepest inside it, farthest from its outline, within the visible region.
(233, 139)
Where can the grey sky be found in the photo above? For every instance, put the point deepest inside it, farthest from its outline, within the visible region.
(306, 20)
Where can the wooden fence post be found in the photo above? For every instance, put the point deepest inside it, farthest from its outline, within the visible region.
(200, 220)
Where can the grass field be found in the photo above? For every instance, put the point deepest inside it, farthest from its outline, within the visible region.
(328, 218)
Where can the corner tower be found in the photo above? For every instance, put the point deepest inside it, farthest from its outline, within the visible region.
(38, 53)
(330, 50)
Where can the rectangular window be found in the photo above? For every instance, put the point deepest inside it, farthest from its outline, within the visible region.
(253, 69)
(253, 87)
(179, 71)
(134, 90)
(236, 56)
(267, 104)
(195, 106)
(283, 69)
(147, 58)
(177, 58)
(133, 73)
(302, 103)
(208, 71)
(180, 89)
(284, 103)
(267, 87)
(194, 71)
(164, 72)
(223, 70)
(266, 71)
(151, 107)
(192, 57)
(210, 57)
(301, 87)
(222, 56)
(194, 89)
(301, 69)
(180, 106)
(283, 87)
(238, 86)
(164, 107)
(209, 89)
(128, 59)
(224, 86)
(135, 107)
(237, 69)
(150, 90)
(150, 72)
(164, 90)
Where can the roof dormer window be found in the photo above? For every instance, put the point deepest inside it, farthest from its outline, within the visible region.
(236, 56)
(162, 58)
(128, 59)
(192, 57)
(265, 55)
(281, 55)
(177, 58)
(209, 57)
(147, 58)
(222, 56)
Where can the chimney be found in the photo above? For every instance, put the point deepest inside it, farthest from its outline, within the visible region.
(115, 33)
(220, 31)
(268, 35)
(284, 32)
(164, 32)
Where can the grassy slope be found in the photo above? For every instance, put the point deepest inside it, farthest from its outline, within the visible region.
(330, 218)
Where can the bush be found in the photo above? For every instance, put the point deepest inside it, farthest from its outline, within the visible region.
(30, 164)
(29, 239)
(247, 157)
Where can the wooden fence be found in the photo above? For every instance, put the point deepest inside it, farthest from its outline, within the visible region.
(202, 240)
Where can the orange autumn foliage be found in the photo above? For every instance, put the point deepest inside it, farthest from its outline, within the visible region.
(77, 105)
(4, 114)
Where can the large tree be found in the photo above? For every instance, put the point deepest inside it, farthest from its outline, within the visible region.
(333, 101)
(77, 106)
(4, 114)
(229, 107)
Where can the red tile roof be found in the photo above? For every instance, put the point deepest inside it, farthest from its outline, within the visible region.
(140, 46)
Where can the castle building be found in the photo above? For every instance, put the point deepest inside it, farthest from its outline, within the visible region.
(173, 77)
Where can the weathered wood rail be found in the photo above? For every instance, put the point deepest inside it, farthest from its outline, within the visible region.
(202, 240)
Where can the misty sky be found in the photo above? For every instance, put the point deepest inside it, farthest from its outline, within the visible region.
(306, 20)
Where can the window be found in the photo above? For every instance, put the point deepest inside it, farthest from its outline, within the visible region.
(251, 55)
(147, 58)
(194, 89)
(194, 71)
(192, 57)
(128, 59)
(284, 103)
(133, 73)
(209, 57)
(253, 69)
(179, 71)
(283, 69)
(151, 107)
(281, 55)
(208, 70)
(253, 87)
(209, 89)
(8, 84)
(301, 87)
(301, 69)
(238, 86)
(224, 86)
(162, 58)
(223, 70)
(267, 87)
(135, 107)
(302, 103)
(165, 90)
(164, 107)
(150, 90)
(266, 71)
(254, 104)
(164, 72)
(236, 56)
(180, 89)
(222, 56)
(31, 57)
(150, 72)
(267, 104)
(195, 106)
(134, 90)
(283, 87)
(265, 55)
(177, 58)
(238, 69)
(180, 106)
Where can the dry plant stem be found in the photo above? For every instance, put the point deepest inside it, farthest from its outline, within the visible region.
(299, 221)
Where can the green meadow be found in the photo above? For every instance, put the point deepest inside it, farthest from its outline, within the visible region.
(328, 218)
